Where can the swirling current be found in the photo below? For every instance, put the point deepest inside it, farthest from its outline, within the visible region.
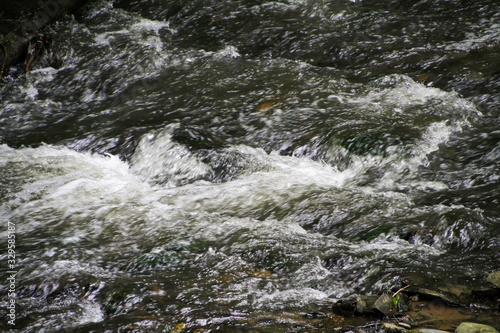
(242, 165)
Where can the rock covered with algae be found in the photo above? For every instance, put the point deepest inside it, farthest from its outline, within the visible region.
(467, 327)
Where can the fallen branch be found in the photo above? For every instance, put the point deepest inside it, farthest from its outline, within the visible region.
(401, 289)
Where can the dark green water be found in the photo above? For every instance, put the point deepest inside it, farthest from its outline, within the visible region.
(237, 165)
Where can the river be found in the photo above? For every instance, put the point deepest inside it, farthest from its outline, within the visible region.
(240, 166)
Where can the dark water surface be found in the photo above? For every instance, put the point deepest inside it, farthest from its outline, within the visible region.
(239, 165)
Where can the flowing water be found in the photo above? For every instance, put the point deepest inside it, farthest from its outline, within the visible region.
(241, 165)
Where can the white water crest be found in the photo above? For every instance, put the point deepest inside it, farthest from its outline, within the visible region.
(80, 198)
(159, 160)
(236, 165)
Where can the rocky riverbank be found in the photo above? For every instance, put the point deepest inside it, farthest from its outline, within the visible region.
(21, 29)
(418, 307)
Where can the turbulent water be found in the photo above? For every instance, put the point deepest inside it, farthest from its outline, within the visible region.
(236, 165)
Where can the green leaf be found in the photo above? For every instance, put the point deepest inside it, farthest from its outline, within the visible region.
(395, 300)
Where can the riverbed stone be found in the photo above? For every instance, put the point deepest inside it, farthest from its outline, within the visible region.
(486, 293)
(384, 304)
(467, 327)
(494, 278)
(431, 330)
(433, 295)
(373, 306)
(365, 304)
(345, 307)
(392, 328)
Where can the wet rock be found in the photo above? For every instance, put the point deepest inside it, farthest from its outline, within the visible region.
(431, 330)
(451, 293)
(345, 307)
(494, 278)
(474, 328)
(460, 292)
(392, 328)
(486, 293)
(433, 295)
(384, 304)
(373, 306)
(403, 302)
(365, 304)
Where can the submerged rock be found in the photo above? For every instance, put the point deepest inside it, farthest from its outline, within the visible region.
(448, 293)
(453, 293)
(485, 293)
(447, 298)
(474, 328)
(372, 306)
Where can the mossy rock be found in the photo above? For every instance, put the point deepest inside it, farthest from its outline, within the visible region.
(494, 278)
(474, 328)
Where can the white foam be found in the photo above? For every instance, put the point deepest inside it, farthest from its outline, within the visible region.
(150, 25)
(157, 159)
(282, 299)
(229, 51)
(105, 38)
(30, 91)
(396, 95)
(58, 268)
(45, 74)
(487, 36)
(404, 93)
(88, 196)
(65, 182)
(91, 312)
